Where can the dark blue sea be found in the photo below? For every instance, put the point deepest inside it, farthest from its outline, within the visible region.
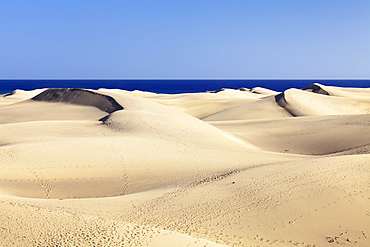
(174, 86)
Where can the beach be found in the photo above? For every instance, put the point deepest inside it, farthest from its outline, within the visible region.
(232, 167)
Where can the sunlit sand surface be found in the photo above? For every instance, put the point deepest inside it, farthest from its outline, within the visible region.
(248, 167)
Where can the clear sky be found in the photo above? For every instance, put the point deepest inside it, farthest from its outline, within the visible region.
(185, 39)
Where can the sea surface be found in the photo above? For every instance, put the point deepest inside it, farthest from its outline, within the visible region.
(172, 86)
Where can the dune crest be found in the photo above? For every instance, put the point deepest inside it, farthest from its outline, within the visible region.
(79, 97)
(303, 103)
(316, 88)
(265, 91)
(17, 96)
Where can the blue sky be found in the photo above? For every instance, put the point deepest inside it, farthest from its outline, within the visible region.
(185, 39)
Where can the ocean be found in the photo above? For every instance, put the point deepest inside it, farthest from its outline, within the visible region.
(172, 86)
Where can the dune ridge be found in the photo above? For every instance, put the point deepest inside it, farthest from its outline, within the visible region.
(246, 167)
(316, 88)
(79, 97)
(57, 104)
(297, 103)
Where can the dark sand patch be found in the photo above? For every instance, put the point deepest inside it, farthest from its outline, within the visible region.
(79, 97)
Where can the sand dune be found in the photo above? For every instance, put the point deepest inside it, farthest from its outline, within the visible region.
(17, 96)
(67, 104)
(129, 143)
(259, 109)
(309, 135)
(295, 103)
(79, 97)
(201, 105)
(265, 91)
(244, 167)
(301, 103)
(357, 93)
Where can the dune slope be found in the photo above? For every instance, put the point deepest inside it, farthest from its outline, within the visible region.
(317, 135)
(79, 97)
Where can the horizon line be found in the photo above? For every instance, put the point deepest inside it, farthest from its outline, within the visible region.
(184, 78)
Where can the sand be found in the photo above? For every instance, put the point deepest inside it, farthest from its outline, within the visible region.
(247, 167)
